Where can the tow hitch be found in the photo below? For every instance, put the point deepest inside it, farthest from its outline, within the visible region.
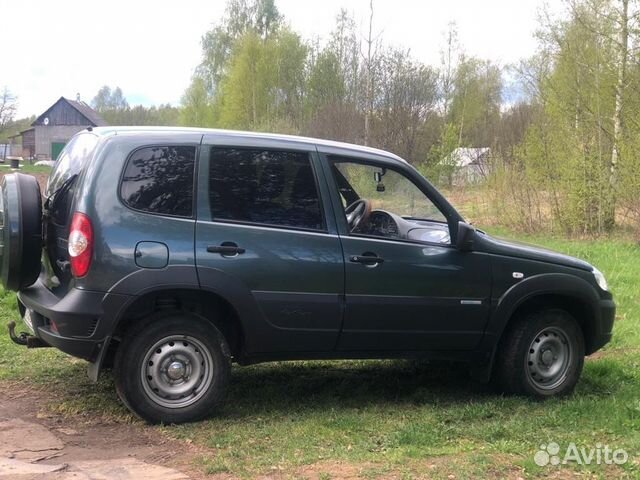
(24, 338)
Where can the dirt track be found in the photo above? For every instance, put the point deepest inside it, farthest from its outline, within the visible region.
(34, 446)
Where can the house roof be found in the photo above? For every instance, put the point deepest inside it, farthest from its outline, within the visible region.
(88, 112)
(463, 157)
(93, 117)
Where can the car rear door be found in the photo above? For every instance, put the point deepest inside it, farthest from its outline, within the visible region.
(263, 239)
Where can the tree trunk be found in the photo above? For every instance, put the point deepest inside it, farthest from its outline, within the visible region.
(623, 54)
(369, 86)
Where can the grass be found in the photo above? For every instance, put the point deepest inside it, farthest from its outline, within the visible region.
(35, 169)
(391, 418)
(28, 168)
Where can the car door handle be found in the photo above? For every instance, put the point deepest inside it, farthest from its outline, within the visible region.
(226, 249)
(366, 259)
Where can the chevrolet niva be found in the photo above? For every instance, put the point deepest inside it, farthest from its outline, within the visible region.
(172, 252)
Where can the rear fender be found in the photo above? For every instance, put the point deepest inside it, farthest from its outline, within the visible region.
(184, 277)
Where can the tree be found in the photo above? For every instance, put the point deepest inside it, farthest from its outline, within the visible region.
(326, 84)
(8, 108)
(334, 86)
(476, 101)
(450, 57)
(370, 57)
(408, 98)
(622, 57)
(107, 100)
(265, 83)
(573, 149)
(197, 110)
(241, 16)
(345, 46)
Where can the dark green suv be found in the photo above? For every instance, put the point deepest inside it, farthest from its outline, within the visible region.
(173, 252)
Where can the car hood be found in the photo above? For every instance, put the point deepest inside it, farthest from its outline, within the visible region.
(510, 248)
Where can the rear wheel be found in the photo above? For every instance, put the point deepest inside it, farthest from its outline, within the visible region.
(541, 355)
(173, 368)
(20, 231)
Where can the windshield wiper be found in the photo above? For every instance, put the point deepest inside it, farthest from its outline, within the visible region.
(51, 199)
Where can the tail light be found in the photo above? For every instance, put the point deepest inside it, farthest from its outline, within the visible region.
(80, 244)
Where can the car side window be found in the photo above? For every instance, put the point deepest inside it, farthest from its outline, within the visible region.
(160, 180)
(383, 202)
(268, 187)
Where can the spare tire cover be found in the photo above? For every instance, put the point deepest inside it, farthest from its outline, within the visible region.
(20, 231)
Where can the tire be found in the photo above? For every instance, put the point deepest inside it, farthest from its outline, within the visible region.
(20, 231)
(174, 367)
(541, 355)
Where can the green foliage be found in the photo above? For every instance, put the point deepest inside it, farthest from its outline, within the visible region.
(114, 108)
(566, 152)
(326, 85)
(197, 108)
(475, 105)
(107, 100)
(260, 75)
(164, 115)
(260, 17)
(553, 152)
(14, 127)
(265, 82)
(441, 165)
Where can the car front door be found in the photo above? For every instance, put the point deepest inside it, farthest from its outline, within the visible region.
(262, 239)
(407, 287)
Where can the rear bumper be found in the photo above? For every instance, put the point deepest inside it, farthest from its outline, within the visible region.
(77, 322)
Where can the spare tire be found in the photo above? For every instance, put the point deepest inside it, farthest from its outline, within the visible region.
(20, 231)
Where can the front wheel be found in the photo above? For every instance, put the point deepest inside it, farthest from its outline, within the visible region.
(172, 368)
(541, 355)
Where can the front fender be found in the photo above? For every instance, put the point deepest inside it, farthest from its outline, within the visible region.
(557, 284)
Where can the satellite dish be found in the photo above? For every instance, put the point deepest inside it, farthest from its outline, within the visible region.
(46, 120)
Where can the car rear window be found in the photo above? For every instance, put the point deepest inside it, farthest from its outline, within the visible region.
(266, 187)
(71, 160)
(159, 180)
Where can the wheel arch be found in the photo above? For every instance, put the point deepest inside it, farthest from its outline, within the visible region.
(555, 290)
(180, 283)
(207, 304)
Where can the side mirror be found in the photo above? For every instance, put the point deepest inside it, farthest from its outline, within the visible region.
(465, 237)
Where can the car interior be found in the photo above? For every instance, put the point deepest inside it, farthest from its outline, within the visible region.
(392, 207)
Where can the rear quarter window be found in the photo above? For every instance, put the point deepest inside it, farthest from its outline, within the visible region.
(75, 155)
(160, 180)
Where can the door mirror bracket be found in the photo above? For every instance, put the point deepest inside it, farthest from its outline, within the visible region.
(465, 237)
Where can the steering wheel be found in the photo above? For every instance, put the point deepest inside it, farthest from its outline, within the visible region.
(358, 212)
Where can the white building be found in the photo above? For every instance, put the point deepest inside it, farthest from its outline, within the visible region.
(471, 165)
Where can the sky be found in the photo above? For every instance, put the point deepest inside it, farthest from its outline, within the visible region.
(150, 48)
